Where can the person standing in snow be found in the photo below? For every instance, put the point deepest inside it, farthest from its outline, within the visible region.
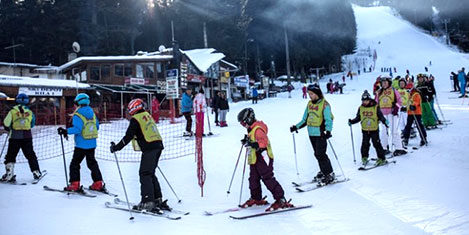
(199, 106)
(214, 105)
(454, 77)
(155, 109)
(414, 114)
(318, 119)
(389, 102)
(19, 122)
(369, 115)
(404, 93)
(255, 95)
(85, 126)
(186, 110)
(261, 162)
(224, 108)
(462, 83)
(428, 119)
(304, 89)
(144, 135)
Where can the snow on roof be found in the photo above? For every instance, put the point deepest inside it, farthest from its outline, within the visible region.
(230, 64)
(114, 58)
(203, 58)
(28, 65)
(39, 82)
(3, 95)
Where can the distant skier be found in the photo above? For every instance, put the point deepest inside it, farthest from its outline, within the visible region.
(19, 122)
(369, 115)
(454, 77)
(318, 119)
(304, 89)
(255, 95)
(214, 106)
(261, 162)
(144, 135)
(155, 109)
(414, 114)
(389, 102)
(85, 126)
(224, 108)
(199, 106)
(462, 83)
(186, 110)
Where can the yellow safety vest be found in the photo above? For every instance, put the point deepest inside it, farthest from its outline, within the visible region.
(316, 113)
(149, 129)
(89, 130)
(386, 99)
(21, 121)
(369, 118)
(404, 96)
(252, 158)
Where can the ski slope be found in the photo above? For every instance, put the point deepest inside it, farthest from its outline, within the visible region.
(425, 192)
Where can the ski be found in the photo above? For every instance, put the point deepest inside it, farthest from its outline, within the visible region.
(234, 209)
(110, 205)
(299, 184)
(12, 181)
(121, 202)
(364, 168)
(270, 212)
(44, 173)
(104, 191)
(81, 193)
(320, 185)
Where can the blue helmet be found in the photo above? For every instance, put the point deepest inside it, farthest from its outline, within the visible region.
(22, 98)
(82, 99)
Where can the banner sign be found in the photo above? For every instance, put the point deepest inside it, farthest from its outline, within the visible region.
(172, 88)
(40, 91)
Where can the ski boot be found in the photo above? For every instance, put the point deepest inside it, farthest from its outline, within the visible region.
(163, 205)
(254, 202)
(318, 177)
(279, 204)
(386, 151)
(9, 175)
(98, 186)
(365, 161)
(327, 179)
(423, 142)
(187, 134)
(149, 206)
(37, 174)
(399, 152)
(381, 162)
(74, 187)
(405, 142)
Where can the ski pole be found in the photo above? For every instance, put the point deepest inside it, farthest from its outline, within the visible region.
(179, 200)
(65, 163)
(242, 179)
(353, 146)
(420, 130)
(4, 144)
(236, 166)
(208, 120)
(294, 150)
(330, 144)
(439, 108)
(123, 185)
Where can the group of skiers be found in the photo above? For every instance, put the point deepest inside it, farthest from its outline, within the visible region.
(460, 83)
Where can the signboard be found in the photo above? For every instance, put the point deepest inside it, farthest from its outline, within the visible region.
(225, 78)
(183, 74)
(161, 86)
(172, 88)
(195, 78)
(136, 81)
(40, 91)
(241, 81)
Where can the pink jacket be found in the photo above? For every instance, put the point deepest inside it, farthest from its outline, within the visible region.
(199, 103)
(398, 102)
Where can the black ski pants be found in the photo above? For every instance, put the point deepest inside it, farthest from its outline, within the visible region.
(188, 117)
(26, 145)
(149, 185)
(374, 136)
(320, 148)
(410, 120)
(78, 155)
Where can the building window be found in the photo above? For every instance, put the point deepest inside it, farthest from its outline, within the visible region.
(119, 70)
(145, 70)
(94, 73)
(159, 70)
(105, 71)
(128, 70)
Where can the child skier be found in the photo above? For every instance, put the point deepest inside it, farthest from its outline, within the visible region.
(145, 137)
(261, 162)
(19, 122)
(85, 128)
(318, 118)
(404, 93)
(414, 113)
(223, 109)
(369, 115)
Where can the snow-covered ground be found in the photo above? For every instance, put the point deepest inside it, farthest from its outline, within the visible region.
(426, 191)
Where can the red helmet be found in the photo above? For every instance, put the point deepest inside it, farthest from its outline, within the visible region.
(135, 105)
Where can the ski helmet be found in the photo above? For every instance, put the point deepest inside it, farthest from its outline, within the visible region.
(247, 116)
(385, 78)
(22, 98)
(135, 105)
(366, 96)
(315, 89)
(82, 99)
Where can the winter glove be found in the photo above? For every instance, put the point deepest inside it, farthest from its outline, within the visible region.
(113, 147)
(245, 140)
(412, 108)
(350, 122)
(253, 145)
(403, 109)
(327, 135)
(6, 128)
(293, 128)
(395, 111)
(63, 132)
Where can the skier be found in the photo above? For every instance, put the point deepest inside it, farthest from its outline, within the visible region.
(404, 93)
(318, 119)
(224, 108)
(389, 102)
(428, 118)
(454, 77)
(395, 82)
(19, 122)
(255, 95)
(304, 89)
(214, 105)
(414, 113)
(261, 161)
(85, 126)
(144, 135)
(369, 115)
(186, 110)
(431, 87)
(462, 83)
(199, 106)
(155, 109)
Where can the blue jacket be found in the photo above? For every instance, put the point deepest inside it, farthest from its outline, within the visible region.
(462, 77)
(254, 92)
(186, 103)
(77, 123)
(316, 131)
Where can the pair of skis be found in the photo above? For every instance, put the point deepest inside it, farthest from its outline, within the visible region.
(263, 213)
(366, 168)
(171, 214)
(314, 184)
(35, 181)
(81, 192)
